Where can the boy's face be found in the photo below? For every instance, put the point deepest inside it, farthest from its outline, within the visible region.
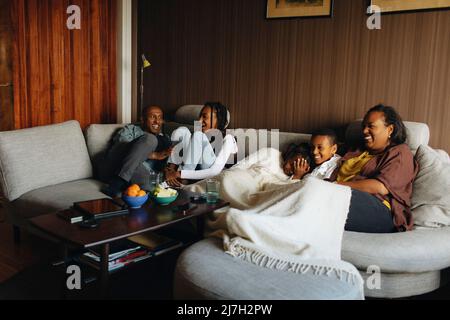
(322, 150)
(288, 166)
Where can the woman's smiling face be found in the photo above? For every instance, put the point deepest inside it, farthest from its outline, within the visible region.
(376, 133)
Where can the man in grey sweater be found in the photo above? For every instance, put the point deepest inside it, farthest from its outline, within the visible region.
(136, 152)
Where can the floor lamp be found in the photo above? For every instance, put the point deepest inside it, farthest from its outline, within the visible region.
(145, 64)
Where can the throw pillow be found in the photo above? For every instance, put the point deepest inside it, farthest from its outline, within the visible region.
(431, 190)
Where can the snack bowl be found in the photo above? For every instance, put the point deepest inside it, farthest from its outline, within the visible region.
(164, 196)
(135, 202)
(164, 201)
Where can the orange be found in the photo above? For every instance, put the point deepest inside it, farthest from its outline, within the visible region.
(141, 193)
(132, 192)
(135, 187)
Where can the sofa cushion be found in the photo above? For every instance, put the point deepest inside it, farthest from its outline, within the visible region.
(418, 134)
(443, 155)
(420, 250)
(42, 156)
(187, 114)
(54, 198)
(99, 137)
(205, 271)
(170, 126)
(252, 140)
(431, 190)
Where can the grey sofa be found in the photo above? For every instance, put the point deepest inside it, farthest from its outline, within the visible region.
(46, 169)
(43, 170)
(204, 271)
(410, 263)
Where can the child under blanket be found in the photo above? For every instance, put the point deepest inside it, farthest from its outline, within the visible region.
(322, 148)
(268, 169)
(269, 211)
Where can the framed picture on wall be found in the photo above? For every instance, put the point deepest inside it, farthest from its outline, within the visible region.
(299, 8)
(393, 6)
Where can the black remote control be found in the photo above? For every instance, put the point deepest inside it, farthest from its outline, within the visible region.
(89, 224)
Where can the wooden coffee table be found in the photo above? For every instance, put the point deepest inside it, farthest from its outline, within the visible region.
(150, 217)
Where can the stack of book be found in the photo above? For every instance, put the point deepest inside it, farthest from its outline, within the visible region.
(132, 250)
(118, 258)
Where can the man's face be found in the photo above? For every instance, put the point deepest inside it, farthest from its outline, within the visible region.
(154, 120)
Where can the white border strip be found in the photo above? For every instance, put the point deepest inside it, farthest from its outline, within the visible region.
(124, 60)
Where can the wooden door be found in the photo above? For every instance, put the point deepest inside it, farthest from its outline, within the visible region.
(6, 92)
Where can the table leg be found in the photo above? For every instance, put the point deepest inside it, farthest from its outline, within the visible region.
(104, 270)
(200, 227)
(64, 253)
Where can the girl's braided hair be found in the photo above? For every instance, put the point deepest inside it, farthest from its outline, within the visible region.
(221, 112)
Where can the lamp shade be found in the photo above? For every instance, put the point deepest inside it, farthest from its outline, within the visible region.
(145, 62)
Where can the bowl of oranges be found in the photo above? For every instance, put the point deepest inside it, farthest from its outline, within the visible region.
(134, 196)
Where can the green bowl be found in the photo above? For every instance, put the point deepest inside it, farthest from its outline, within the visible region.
(164, 201)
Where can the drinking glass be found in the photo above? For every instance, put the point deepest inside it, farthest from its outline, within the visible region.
(212, 191)
(154, 179)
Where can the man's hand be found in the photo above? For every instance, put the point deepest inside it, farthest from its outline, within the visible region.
(301, 167)
(161, 155)
(172, 177)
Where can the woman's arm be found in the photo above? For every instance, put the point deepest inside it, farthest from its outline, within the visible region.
(371, 186)
(229, 147)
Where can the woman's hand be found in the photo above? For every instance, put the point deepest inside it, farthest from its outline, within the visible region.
(161, 155)
(174, 183)
(301, 167)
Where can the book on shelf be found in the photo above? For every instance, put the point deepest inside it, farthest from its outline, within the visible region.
(121, 253)
(132, 250)
(156, 243)
(114, 264)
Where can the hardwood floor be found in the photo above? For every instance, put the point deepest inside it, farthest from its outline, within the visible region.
(28, 268)
(15, 258)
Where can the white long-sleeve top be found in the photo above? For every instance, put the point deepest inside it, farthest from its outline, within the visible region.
(229, 147)
(326, 169)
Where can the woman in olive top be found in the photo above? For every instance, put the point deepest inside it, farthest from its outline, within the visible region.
(381, 176)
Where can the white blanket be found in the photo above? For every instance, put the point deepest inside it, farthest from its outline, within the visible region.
(279, 223)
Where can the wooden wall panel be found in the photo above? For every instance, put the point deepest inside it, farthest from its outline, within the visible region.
(6, 94)
(297, 74)
(63, 74)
